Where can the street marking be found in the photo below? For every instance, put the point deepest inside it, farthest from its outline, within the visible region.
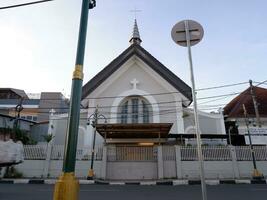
(180, 182)
(242, 181)
(212, 182)
(83, 190)
(148, 183)
(116, 183)
(21, 181)
(86, 181)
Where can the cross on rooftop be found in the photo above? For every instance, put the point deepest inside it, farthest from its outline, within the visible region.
(134, 82)
(135, 11)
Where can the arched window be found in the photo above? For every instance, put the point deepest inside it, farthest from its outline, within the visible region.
(135, 109)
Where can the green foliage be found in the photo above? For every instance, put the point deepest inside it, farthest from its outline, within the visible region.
(48, 137)
(185, 114)
(11, 172)
(23, 136)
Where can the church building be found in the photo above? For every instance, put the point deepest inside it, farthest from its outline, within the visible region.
(139, 101)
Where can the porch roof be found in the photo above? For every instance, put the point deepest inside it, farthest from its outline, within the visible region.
(149, 130)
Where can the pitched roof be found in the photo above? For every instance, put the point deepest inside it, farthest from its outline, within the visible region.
(234, 109)
(139, 51)
(19, 92)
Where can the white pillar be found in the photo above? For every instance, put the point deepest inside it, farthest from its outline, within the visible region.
(234, 162)
(178, 162)
(160, 163)
(104, 163)
(47, 160)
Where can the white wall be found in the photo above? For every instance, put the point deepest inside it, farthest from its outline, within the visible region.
(35, 168)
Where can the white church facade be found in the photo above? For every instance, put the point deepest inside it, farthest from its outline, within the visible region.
(139, 101)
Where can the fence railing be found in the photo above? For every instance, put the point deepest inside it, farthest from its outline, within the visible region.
(168, 153)
(243, 153)
(212, 153)
(35, 152)
(131, 153)
(39, 152)
(145, 153)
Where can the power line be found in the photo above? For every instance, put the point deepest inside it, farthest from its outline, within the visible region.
(222, 86)
(260, 83)
(24, 4)
(150, 104)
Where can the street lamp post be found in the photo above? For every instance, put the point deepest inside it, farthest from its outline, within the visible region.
(95, 116)
(229, 134)
(188, 33)
(67, 186)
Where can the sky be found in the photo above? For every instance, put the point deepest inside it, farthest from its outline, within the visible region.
(38, 42)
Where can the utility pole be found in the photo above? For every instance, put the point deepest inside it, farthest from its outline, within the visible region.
(256, 173)
(252, 92)
(67, 186)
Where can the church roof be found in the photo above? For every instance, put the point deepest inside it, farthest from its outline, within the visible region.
(135, 35)
(137, 50)
(234, 109)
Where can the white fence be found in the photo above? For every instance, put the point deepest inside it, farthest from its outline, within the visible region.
(142, 153)
(131, 153)
(147, 162)
(35, 152)
(215, 153)
(39, 152)
(243, 153)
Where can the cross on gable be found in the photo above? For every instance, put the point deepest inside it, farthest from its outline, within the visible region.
(134, 82)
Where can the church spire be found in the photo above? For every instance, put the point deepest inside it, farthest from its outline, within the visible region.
(135, 39)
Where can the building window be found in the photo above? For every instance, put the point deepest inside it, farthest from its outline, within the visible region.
(145, 112)
(124, 113)
(135, 110)
(135, 107)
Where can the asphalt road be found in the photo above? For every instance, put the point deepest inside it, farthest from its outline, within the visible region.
(133, 192)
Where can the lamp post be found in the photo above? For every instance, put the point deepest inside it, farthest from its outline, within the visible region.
(67, 186)
(229, 135)
(95, 116)
(188, 33)
(256, 173)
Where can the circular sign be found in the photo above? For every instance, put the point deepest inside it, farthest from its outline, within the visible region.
(195, 31)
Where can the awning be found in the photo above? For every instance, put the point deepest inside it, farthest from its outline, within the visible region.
(148, 130)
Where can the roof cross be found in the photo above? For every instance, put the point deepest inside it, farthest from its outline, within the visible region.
(135, 11)
(134, 82)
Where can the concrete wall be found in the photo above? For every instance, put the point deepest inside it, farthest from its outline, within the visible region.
(173, 167)
(35, 168)
(132, 170)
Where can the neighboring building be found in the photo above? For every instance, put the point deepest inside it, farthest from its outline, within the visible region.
(32, 109)
(7, 124)
(236, 122)
(16, 104)
(143, 102)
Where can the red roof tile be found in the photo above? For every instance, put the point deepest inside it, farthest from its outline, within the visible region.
(234, 109)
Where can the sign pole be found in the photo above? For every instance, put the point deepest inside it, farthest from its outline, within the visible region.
(187, 33)
(199, 149)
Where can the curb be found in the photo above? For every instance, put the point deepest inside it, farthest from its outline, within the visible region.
(143, 183)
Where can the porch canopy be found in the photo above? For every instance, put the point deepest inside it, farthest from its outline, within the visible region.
(148, 130)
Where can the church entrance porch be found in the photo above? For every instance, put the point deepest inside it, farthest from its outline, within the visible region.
(133, 150)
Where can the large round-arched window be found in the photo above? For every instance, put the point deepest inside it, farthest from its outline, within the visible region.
(135, 109)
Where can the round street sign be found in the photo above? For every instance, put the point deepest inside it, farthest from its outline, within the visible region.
(195, 30)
